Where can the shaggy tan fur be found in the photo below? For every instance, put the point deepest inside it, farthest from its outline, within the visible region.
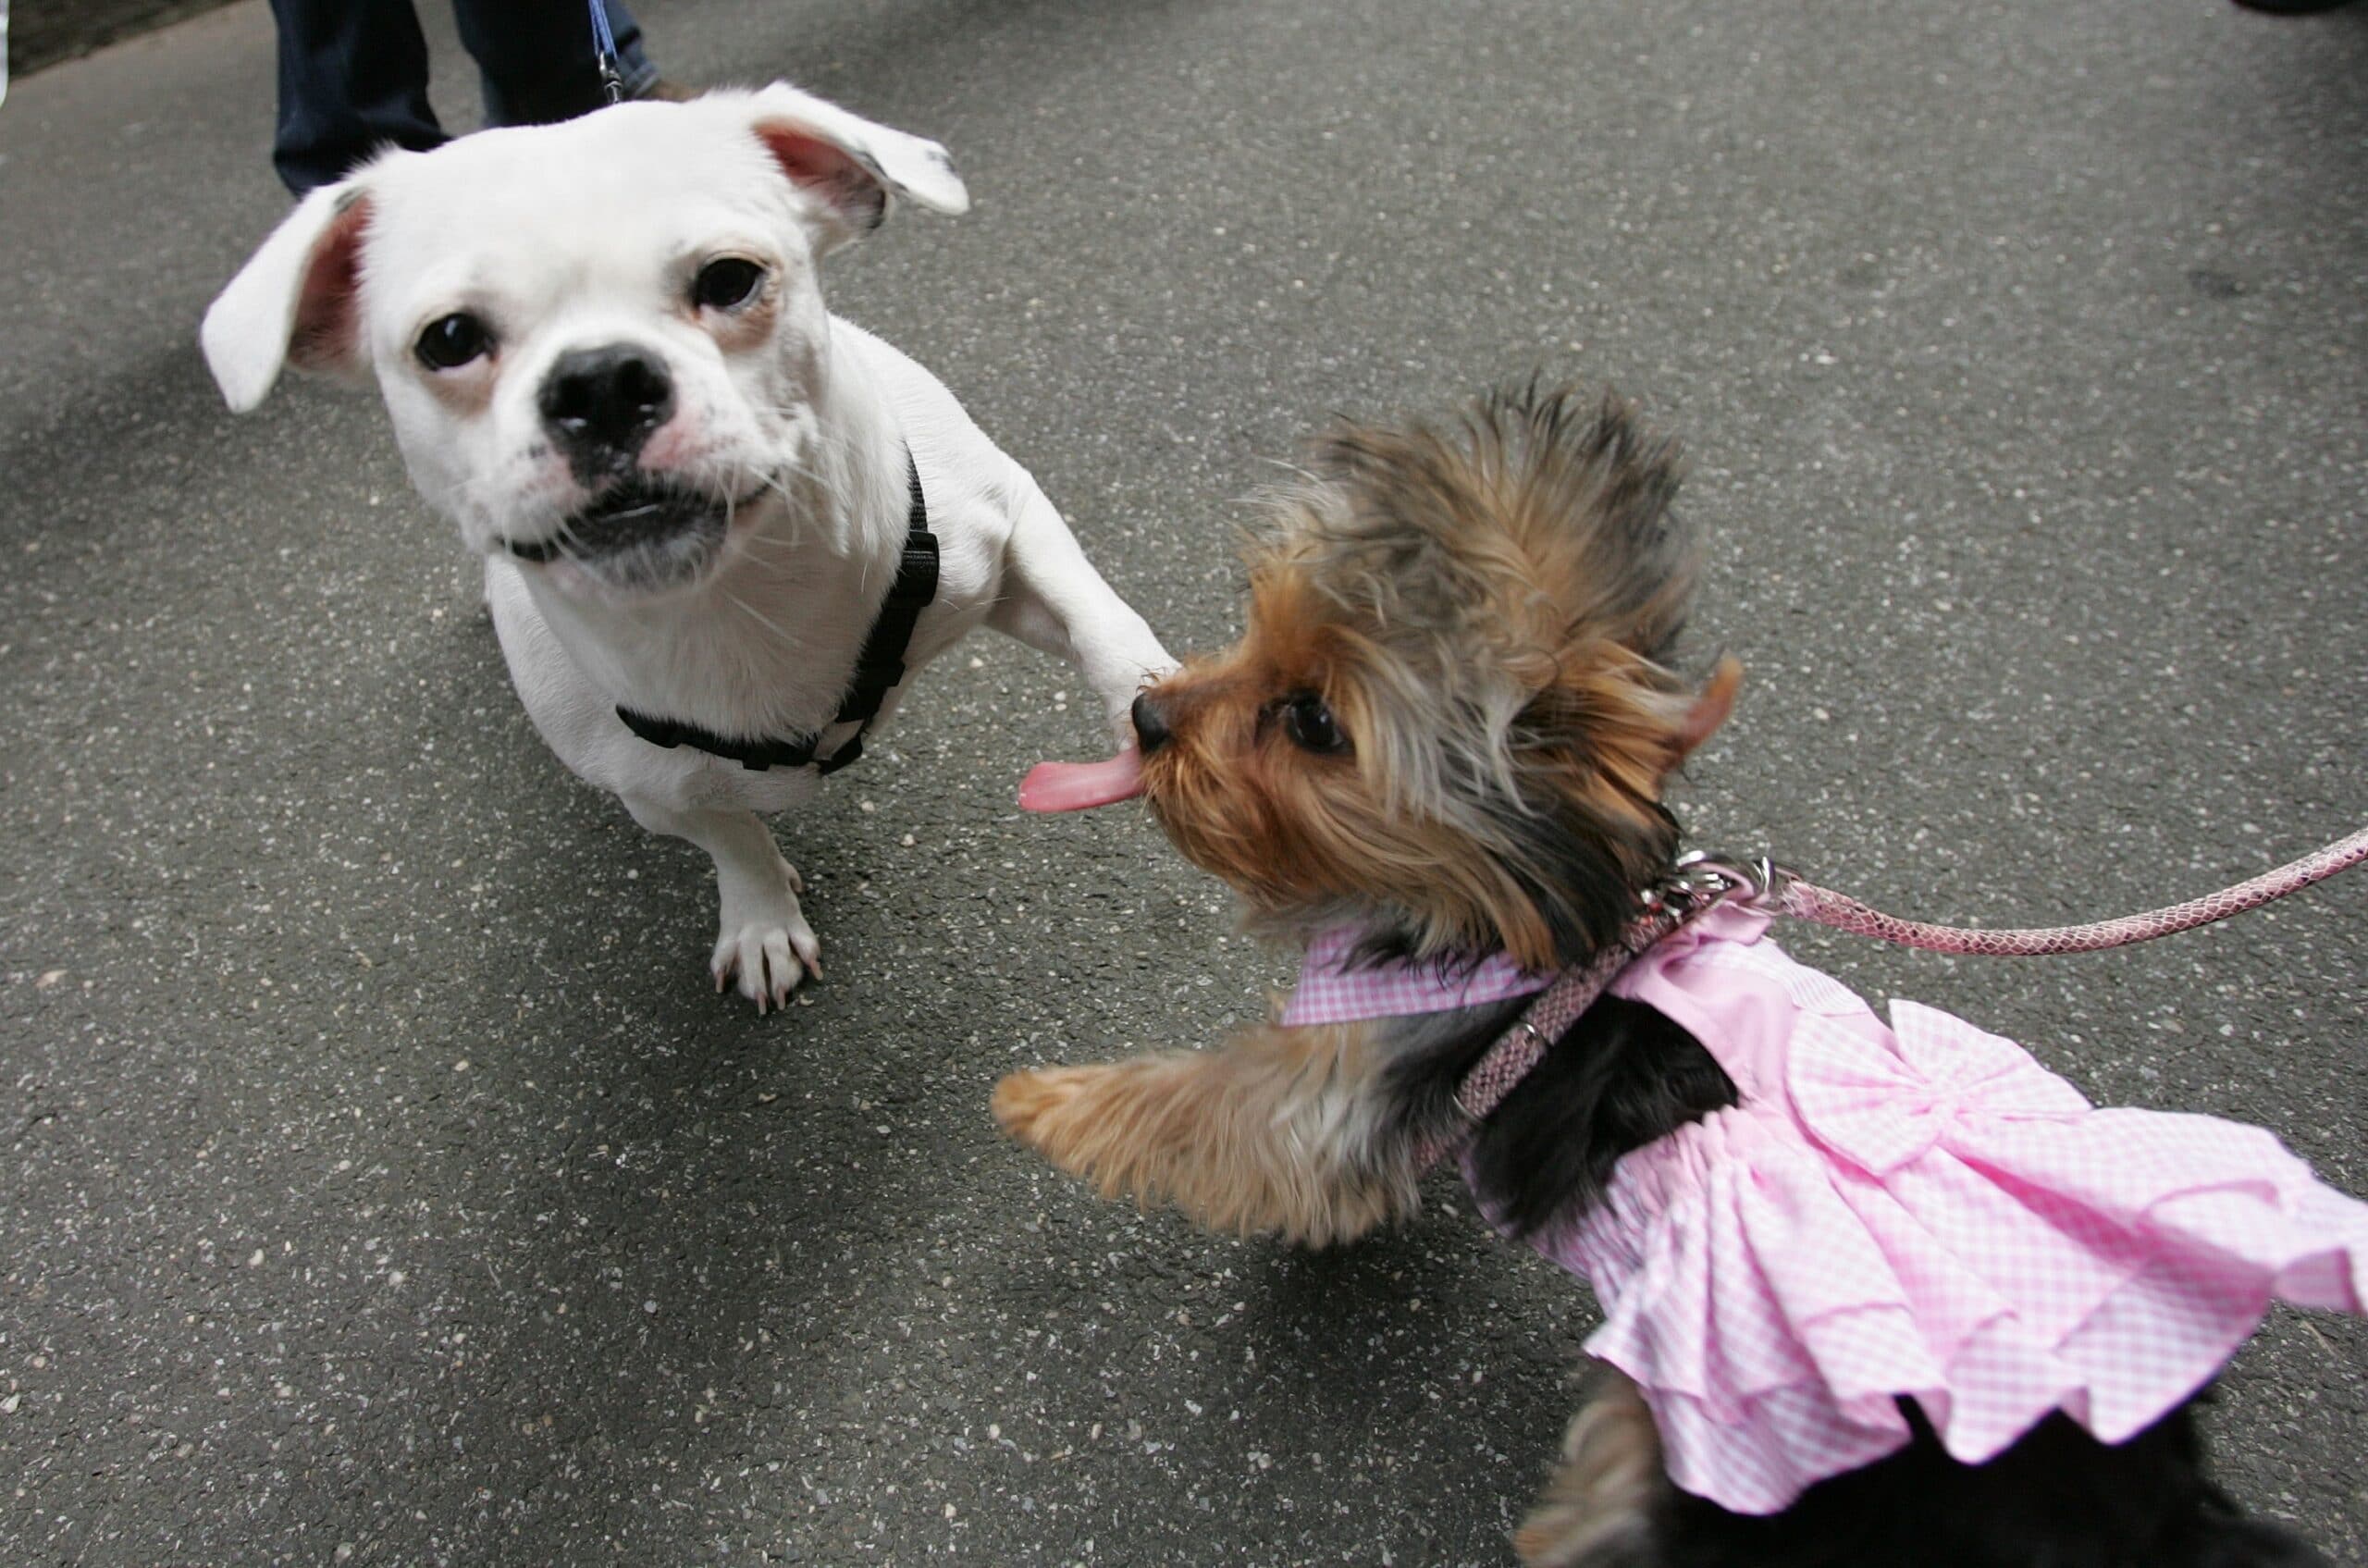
(1486, 612)
(1274, 1134)
(1597, 1511)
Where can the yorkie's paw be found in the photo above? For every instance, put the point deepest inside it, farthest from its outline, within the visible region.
(1115, 1126)
(1037, 1107)
(1235, 1138)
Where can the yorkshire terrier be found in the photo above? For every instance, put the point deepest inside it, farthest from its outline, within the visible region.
(1966, 1330)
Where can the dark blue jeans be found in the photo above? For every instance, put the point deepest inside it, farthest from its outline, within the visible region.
(354, 74)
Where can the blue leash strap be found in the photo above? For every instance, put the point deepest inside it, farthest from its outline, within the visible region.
(604, 51)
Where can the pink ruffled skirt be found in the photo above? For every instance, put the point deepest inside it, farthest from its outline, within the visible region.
(1937, 1217)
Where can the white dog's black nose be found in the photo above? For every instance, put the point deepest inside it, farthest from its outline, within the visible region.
(601, 404)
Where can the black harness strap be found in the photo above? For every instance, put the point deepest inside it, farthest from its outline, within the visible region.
(878, 668)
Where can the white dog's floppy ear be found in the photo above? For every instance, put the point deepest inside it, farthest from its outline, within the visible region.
(853, 164)
(295, 302)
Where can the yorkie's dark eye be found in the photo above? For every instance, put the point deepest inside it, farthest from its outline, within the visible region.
(727, 283)
(1312, 727)
(452, 341)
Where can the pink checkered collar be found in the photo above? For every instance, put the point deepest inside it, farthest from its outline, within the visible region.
(1331, 992)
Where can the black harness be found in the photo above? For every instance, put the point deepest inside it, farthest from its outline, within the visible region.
(877, 669)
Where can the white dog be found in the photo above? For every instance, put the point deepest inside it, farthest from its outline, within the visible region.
(700, 496)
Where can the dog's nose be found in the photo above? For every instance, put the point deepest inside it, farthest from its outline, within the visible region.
(1151, 725)
(603, 402)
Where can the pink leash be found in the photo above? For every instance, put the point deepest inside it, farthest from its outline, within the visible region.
(1702, 883)
(1806, 900)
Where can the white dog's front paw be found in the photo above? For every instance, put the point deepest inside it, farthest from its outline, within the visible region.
(766, 946)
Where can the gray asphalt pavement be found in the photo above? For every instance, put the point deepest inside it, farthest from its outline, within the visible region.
(385, 1185)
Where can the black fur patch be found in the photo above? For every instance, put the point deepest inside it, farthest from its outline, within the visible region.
(1581, 876)
(1579, 886)
(1620, 1077)
(2058, 1499)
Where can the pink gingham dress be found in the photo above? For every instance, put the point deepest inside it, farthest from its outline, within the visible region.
(1920, 1210)
(1331, 992)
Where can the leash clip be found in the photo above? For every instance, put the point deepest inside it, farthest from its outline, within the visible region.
(1704, 881)
(604, 51)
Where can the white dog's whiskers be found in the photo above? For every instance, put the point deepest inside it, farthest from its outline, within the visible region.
(781, 635)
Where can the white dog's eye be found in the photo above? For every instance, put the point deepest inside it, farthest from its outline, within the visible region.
(726, 282)
(452, 341)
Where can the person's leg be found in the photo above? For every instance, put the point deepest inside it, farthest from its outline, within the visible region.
(538, 60)
(352, 79)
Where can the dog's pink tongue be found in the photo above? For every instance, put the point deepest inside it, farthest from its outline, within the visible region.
(1073, 787)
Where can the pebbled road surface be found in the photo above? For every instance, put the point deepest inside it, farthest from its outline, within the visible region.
(383, 1185)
